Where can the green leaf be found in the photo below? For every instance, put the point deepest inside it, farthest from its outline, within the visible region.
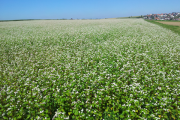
(28, 116)
(19, 117)
(76, 113)
(5, 118)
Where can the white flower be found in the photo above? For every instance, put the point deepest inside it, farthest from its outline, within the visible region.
(42, 111)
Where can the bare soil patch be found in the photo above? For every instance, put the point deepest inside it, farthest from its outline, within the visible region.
(171, 23)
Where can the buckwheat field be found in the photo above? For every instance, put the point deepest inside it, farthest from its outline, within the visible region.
(89, 69)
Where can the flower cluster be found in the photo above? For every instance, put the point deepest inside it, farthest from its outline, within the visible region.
(88, 69)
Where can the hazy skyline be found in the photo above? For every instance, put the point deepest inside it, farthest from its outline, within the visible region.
(83, 9)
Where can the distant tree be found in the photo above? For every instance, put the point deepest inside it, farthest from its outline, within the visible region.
(175, 17)
(152, 17)
(141, 16)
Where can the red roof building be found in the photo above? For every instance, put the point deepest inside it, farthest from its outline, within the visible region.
(157, 18)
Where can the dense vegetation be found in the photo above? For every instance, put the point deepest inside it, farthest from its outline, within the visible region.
(173, 28)
(89, 69)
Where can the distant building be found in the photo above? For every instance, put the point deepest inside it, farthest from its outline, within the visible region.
(163, 16)
(157, 18)
(167, 18)
(145, 17)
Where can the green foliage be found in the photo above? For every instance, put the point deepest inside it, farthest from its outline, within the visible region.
(173, 28)
(92, 69)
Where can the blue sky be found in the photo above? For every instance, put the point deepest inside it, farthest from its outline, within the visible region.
(58, 9)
